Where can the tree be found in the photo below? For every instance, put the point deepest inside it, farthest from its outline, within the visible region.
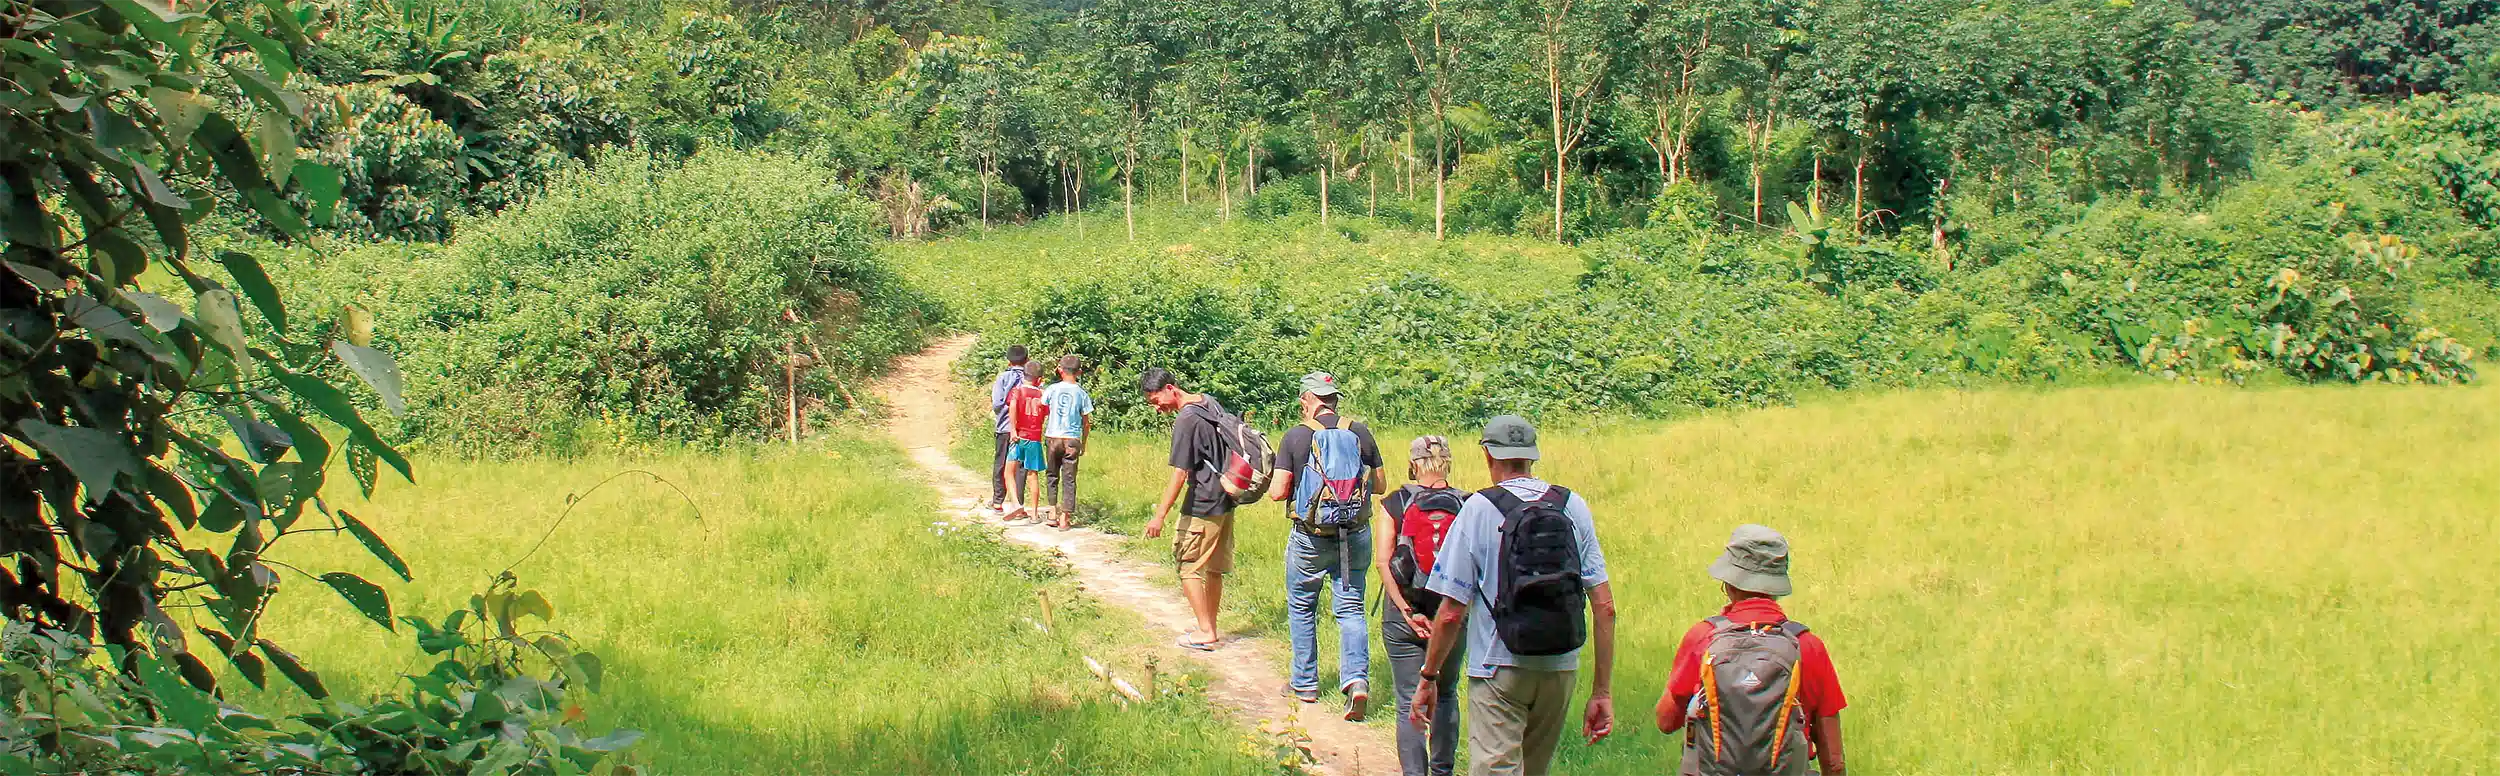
(1573, 55)
(1677, 52)
(2325, 52)
(121, 406)
(1432, 43)
(1128, 54)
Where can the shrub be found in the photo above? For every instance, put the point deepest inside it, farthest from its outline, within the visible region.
(1211, 341)
(640, 300)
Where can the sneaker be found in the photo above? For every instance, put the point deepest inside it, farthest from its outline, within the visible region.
(1358, 701)
(1305, 696)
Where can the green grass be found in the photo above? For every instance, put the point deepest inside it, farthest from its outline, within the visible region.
(989, 280)
(2170, 579)
(813, 620)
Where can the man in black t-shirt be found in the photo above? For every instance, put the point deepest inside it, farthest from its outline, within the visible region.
(1203, 545)
(1321, 559)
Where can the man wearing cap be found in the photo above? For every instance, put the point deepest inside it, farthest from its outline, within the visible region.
(1753, 571)
(1006, 381)
(1517, 705)
(1332, 559)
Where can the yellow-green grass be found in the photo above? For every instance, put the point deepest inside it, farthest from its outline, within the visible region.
(991, 279)
(814, 620)
(2137, 579)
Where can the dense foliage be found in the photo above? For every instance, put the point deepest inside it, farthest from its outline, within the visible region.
(498, 702)
(2347, 257)
(145, 420)
(641, 300)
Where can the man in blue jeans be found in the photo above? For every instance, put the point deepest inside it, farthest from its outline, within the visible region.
(1326, 466)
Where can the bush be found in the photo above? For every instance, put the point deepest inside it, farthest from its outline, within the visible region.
(637, 301)
(1212, 341)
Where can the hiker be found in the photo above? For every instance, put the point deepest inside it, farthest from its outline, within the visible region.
(1754, 690)
(1064, 432)
(1418, 518)
(1328, 470)
(1003, 437)
(1521, 567)
(1025, 462)
(1202, 544)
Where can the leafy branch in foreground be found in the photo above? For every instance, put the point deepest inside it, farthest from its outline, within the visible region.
(116, 340)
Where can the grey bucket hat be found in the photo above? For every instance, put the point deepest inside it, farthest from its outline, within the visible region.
(1509, 438)
(1756, 561)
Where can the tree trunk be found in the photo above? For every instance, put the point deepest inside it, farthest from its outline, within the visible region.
(1375, 181)
(985, 197)
(1553, 87)
(1184, 167)
(1224, 185)
(1327, 170)
(1440, 167)
(1857, 196)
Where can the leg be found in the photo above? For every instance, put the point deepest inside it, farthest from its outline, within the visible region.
(1549, 714)
(1406, 660)
(1067, 498)
(1445, 716)
(1012, 472)
(1054, 453)
(998, 467)
(1305, 573)
(1352, 558)
(1494, 725)
(1204, 549)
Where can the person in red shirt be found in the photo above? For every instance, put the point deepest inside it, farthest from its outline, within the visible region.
(1025, 413)
(1754, 573)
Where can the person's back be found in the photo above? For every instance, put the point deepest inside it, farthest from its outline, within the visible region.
(1064, 429)
(1523, 638)
(1029, 411)
(1753, 691)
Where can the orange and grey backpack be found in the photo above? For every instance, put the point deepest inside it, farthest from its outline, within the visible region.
(1746, 720)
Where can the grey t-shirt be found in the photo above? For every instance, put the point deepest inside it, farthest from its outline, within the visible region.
(1198, 449)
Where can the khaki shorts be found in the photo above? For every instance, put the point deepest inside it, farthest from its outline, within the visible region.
(1204, 546)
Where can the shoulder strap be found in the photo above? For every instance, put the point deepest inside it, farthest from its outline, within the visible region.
(1793, 628)
(1559, 495)
(1719, 622)
(1503, 500)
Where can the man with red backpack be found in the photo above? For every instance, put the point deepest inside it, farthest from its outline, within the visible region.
(1328, 470)
(1753, 690)
(1418, 518)
(1522, 570)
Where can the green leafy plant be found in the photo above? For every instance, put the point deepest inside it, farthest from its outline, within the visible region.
(506, 698)
(139, 430)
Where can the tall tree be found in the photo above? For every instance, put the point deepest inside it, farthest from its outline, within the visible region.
(1129, 56)
(1431, 38)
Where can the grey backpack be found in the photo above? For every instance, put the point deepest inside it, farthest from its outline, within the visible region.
(1746, 721)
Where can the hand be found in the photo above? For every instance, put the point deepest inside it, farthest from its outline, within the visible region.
(1154, 528)
(1427, 695)
(1421, 625)
(1601, 718)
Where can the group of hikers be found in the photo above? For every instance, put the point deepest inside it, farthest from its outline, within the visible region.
(1505, 586)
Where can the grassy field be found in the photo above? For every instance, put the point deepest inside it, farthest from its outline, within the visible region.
(812, 620)
(2141, 579)
(1295, 255)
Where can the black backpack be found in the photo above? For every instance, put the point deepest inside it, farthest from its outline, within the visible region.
(1541, 606)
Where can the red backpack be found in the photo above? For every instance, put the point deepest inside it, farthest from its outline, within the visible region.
(1421, 527)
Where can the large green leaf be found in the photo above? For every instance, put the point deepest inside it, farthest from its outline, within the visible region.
(334, 405)
(94, 457)
(367, 597)
(373, 544)
(221, 321)
(321, 184)
(378, 370)
(277, 147)
(261, 441)
(111, 323)
(294, 670)
(273, 54)
(256, 286)
(180, 111)
(310, 446)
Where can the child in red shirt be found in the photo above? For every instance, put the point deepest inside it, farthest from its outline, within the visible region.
(1754, 573)
(1024, 457)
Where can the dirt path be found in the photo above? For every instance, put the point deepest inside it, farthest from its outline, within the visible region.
(1245, 676)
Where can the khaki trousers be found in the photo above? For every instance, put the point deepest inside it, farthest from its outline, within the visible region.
(1514, 720)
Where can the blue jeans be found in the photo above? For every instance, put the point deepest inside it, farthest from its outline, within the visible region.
(1311, 562)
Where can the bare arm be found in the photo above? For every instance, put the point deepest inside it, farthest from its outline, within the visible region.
(1600, 719)
(1171, 493)
(1281, 487)
(1827, 745)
